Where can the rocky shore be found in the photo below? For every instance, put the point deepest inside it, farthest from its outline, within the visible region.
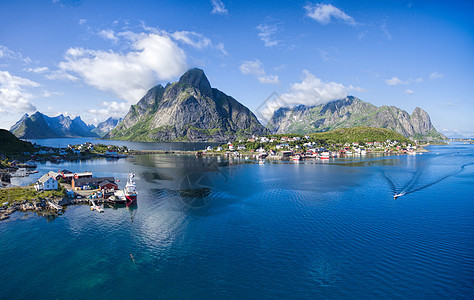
(50, 206)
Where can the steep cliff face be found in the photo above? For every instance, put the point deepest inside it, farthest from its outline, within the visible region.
(352, 112)
(38, 126)
(187, 110)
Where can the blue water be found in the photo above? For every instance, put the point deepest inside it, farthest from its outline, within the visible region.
(64, 142)
(214, 228)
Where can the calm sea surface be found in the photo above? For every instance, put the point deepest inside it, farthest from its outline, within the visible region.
(215, 228)
(64, 142)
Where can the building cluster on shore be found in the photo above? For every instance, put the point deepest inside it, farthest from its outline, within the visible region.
(298, 147)
(78, 188)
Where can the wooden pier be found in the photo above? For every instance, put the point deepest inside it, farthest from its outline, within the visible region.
(54, 206)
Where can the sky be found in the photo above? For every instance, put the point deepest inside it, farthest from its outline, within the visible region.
(96, 58)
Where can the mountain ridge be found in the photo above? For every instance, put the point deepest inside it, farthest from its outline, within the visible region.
(39, 126)
(352, 112)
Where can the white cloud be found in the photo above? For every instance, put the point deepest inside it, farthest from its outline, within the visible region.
(255, 67)
(436, 75)
(313, 91)
(108, 34)
(323, 13)
(218, 7)
(82, 21)
(111, 109)
(409, 92)
(221, 48)
(266, 33)
(6, 53)
(387, 34)
(397, 81)
(450, 104)
(193, 39)
(37, 70)
(357, 89)
(47, 94)
(280, 67)
(270, 79)
(61, 75)
(327, 55)
(310, 91)
(13, 96)
(151, 57)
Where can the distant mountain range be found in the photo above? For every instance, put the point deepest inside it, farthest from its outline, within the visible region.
(40, 125)
(353, 112)
(105, 127)
(191, 110)
(187, 110)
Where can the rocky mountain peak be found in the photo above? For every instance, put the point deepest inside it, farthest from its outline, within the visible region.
(196, 78)
(188, 110)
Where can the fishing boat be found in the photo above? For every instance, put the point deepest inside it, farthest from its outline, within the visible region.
(324, 155)
(129, 193)
(130, 190)
(114, 199)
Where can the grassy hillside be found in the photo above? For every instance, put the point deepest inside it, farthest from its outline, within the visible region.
(360, 135)
(10, 144)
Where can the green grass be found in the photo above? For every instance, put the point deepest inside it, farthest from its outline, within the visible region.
(28, 193)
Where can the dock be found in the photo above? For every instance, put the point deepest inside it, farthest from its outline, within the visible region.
(96, 207)
(54, 206)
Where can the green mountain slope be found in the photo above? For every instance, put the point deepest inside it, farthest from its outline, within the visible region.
(10, 144)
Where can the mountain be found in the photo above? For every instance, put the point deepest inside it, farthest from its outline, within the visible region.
(105, 127)
(38, 126)
(187, 110)
(353, 112)
(10, 144)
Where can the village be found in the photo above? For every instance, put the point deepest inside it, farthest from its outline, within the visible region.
(303, 147)
(23, 164)
(53, 191)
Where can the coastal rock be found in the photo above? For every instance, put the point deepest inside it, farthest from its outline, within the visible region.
(27, 206)
(352, 112)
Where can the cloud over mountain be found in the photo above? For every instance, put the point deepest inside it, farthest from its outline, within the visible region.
(255, 67)
(150, 57)
(310, 91)
(13, 94)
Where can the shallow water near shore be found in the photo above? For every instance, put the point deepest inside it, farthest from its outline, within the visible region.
(212, 227)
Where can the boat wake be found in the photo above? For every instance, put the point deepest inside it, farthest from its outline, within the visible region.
(410, 191)
(411, 186)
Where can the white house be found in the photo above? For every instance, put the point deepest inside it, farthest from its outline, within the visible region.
(46, 183)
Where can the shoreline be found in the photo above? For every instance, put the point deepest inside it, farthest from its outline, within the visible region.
(56, 206)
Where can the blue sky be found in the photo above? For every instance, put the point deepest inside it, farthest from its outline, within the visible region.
(96, 58)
